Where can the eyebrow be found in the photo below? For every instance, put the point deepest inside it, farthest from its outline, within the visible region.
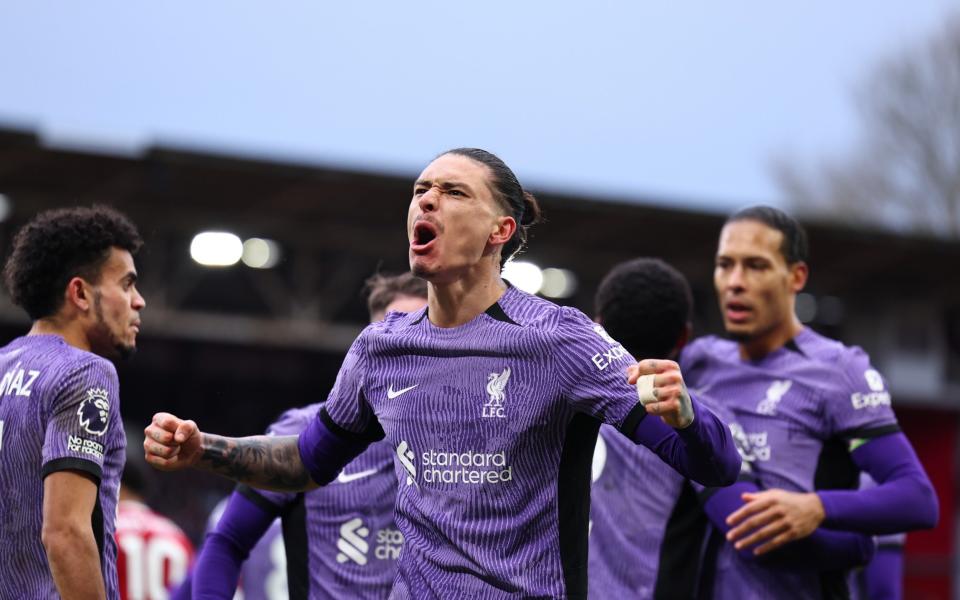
(131, 276)
(746, 257)
(444, 185)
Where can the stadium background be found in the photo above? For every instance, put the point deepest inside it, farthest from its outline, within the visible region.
(604, 103)
(232, 347)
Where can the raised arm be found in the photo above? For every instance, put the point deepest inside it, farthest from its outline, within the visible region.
(260, 461)
(687, 436)
(282, 463)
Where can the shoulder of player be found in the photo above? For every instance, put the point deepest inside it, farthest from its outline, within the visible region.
(708, 346)
(543, 315)
(294, 420)
(88, 362)
(527, 310)
(71, 361)
(88, 370)
(843, 369)
(392, 323)
(830, 352)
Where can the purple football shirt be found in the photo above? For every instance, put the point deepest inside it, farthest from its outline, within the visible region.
(59, 410)
(800, 409)
(494, 424)
(647, 528)
(345, 530)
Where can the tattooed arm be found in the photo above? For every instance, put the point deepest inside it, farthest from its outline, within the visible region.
(260, 461)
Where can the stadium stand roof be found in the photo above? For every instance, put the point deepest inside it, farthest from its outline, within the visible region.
(337, 227)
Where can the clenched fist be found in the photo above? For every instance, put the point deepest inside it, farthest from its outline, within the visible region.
(663, 393)
(171, 444)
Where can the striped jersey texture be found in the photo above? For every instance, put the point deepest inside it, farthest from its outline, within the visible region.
(493, 425)
(59, 410)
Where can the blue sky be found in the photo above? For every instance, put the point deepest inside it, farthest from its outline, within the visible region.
(683, 102)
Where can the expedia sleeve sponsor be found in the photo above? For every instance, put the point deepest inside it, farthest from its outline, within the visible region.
(590, 367)
(861, 400)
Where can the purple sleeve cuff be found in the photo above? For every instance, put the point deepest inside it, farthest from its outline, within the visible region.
(903, 499)
(217, 568)
(824, 550)
(704, 451)
(711, 441)
(325, 447)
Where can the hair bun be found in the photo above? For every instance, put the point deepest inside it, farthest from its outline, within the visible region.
(531, 210)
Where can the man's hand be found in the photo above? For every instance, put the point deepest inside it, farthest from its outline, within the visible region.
(772, 518)
(171, 444)
(671, 400)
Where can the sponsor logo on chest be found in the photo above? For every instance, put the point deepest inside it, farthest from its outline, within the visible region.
(353, 546)
(752, 445)
(457, 467)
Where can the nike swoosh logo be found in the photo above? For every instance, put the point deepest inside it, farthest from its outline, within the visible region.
(391, 394)
(344, 478)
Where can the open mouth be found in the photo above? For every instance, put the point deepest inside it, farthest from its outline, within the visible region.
(424, 234)
(737, 311)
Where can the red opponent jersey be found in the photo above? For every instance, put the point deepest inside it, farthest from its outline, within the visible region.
(154, 554)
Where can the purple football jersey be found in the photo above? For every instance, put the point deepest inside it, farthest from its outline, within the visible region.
(345, 531)
(59, 410)
(494, 424)
(801, 410)
(647, 527)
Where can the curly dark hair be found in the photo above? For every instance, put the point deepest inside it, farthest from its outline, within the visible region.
(645, 304)
(58, 245)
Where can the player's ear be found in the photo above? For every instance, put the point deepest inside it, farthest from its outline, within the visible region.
(503, 229)
(799, 272)
(79, 294)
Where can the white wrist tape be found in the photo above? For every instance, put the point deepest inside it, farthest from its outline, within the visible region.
(645, 389)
